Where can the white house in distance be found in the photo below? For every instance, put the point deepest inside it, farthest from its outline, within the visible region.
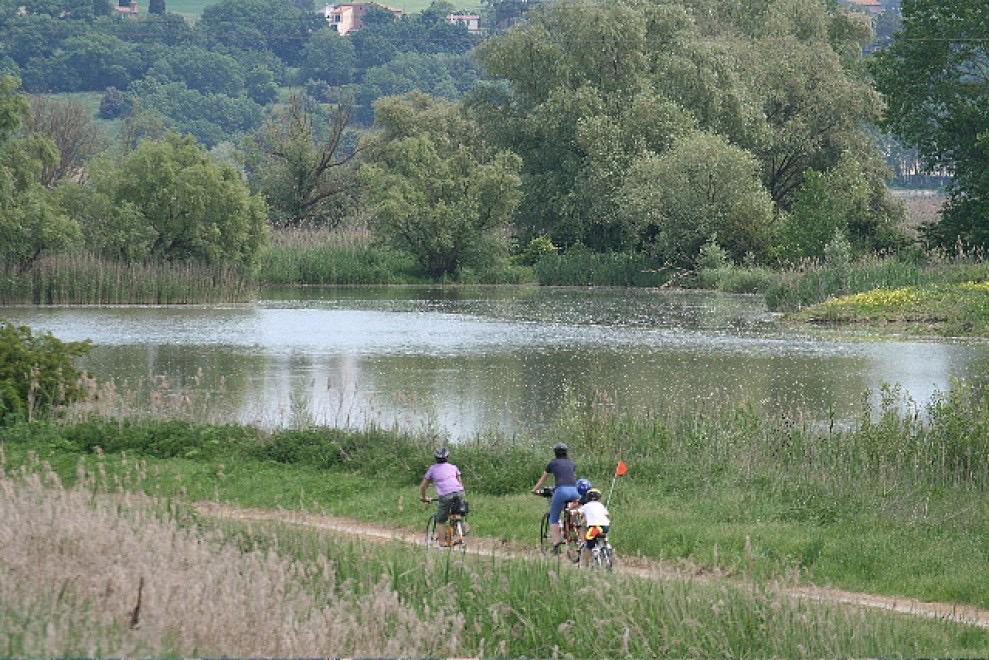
(126, 7)
(347, 17)
(470, 21)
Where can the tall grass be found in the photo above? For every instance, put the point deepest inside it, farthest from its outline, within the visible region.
(92, 572)
(344, 256)
(584, 268)
(812, 282)
(86, 279)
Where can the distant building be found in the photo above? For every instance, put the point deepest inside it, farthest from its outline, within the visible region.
(126, 7)
(470, 21)
(347, 17)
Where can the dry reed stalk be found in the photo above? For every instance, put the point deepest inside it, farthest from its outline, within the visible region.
(74, 563)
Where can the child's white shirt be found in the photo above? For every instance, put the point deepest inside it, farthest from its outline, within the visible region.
(595, 514)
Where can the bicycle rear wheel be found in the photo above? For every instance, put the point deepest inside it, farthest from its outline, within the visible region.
(459, 538)
(572, 540)
(431, 532)
(544, 544)
(606, 557)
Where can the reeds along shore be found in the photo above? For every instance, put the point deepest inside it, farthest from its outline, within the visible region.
(86, 279)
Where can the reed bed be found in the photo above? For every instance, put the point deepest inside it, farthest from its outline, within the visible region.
(585, 268)
(95, 569)
(86, 279)
(345, 256)
(95, 575)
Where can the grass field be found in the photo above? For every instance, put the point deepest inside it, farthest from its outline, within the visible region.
(893, 506)
(94, 570)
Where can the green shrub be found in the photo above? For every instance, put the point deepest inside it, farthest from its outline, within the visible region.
(580, 267)
(36, 372)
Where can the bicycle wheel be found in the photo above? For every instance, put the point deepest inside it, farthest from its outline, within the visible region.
(431, 532)
(606, 558)
(544, 544)
(572, 540)
(459, 536)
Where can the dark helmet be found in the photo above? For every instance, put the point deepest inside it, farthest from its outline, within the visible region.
(594, 495)
(441, 454)
(560, 449)
(583, 485)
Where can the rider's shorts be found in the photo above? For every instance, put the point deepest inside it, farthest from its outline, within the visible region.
(445, 505)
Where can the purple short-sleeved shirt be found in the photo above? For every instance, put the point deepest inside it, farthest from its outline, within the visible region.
(445, 476)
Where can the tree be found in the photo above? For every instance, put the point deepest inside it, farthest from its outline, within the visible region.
(175, 203)
(437, 190)
(259, 82)
(36, 372)
(101, 8)
(156, 7)
(328, 56)
(592, 87)
(275, 25)
(936, 82)
(701, 188)
(30, 221)
(91, 62)
(304, 176)
(202, 70)
(114, 104)
(70, 128)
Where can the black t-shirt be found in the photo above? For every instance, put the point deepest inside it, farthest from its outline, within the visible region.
(564, 471)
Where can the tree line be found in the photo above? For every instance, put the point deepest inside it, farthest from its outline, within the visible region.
(656, 129)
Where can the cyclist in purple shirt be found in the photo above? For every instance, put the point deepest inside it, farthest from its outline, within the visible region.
(449, 486)
(565, 489)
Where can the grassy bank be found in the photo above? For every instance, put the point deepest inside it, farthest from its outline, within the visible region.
(946, 309)
(584, 268)
(812, 282)
(92, 571)
(893, 506)
(85, 279)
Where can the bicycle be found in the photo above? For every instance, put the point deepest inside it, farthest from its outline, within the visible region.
(571, 529)
(602, 554)
(456, 527)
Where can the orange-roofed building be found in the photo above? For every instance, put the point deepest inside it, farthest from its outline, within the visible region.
(348, 17)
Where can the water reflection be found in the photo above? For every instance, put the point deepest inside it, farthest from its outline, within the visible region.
(474, 360)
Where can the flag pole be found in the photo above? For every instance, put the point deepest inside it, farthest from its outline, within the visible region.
(614, 478)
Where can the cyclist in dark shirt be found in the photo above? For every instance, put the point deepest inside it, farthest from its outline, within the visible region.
(565, 488)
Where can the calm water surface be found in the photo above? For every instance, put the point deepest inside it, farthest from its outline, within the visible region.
(469, 361)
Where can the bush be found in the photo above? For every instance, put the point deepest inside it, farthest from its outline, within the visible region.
(579, 267)
(36, 372)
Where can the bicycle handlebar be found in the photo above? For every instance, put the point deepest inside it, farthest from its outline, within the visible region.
(545, 491)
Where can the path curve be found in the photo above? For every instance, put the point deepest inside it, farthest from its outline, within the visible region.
(654, 570)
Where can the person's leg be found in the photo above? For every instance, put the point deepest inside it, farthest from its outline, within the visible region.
(555, 509)
(442, 515)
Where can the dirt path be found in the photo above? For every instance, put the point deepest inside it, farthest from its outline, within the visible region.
(653, 570)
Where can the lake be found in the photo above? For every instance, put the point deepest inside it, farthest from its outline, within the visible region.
(467, 361)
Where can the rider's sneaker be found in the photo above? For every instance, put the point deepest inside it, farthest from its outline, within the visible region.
(556, 548)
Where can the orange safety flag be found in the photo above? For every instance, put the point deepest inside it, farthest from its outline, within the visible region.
(621, 469)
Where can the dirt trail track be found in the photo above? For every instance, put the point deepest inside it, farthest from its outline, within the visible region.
(640, 568)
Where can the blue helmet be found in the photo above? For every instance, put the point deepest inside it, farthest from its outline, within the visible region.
(583, 485)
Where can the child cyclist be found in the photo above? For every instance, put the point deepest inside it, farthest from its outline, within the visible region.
(449, 488)
(596, 521)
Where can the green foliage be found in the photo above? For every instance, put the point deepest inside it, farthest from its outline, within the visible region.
(838, 259)
(535, 250)
(210, 118)
(444, 75)
(275, 25)
(329, 57)
(202, 70)
(80, 278)
(701, 187)
(580, 267)
(582, 118)
(840, 200)
(156, 7)
(336, 265)
(259, 82)
(114, 104)
(30, 220)
(301, 166)
(36, 372)
(934, 80)
(89, 62)
(437, 189)
(169, 200)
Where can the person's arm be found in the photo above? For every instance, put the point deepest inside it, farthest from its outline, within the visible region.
(460, 481)
(535, 489)
(422, 490)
